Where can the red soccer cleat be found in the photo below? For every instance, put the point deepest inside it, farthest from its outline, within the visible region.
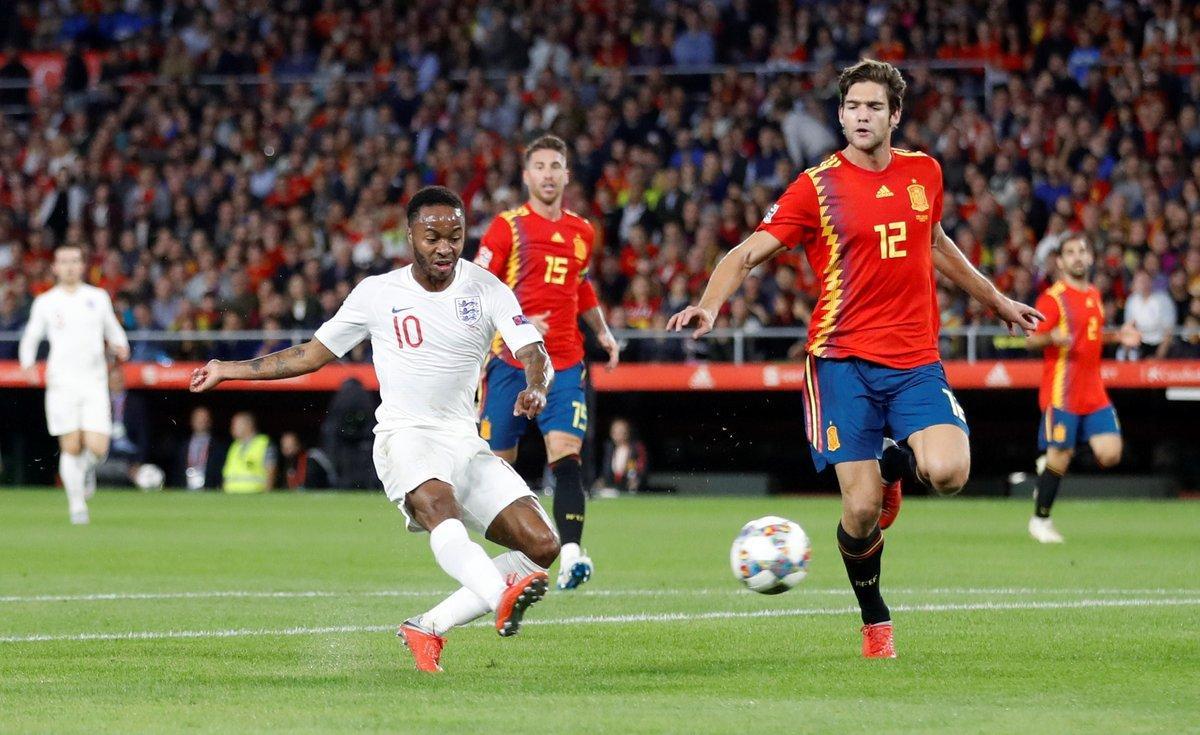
(890, 508)
(877, 641)
(515, 600)
(426, 647)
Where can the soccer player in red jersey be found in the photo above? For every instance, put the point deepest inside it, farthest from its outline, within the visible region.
(868, 218)
(1075, 406)
(542, 250)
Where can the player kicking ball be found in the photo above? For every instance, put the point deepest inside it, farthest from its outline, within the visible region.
(78, 320)
(868, 218)
(542, 251)
(430, 326)
(1075, 407)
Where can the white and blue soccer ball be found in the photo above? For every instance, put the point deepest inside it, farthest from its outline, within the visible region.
(770, 555)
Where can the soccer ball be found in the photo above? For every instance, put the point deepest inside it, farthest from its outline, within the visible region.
(770, 555)
(149, 477)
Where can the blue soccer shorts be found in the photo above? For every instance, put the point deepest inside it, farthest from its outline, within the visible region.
(566, 404)
(1065, 430)
(851, 404)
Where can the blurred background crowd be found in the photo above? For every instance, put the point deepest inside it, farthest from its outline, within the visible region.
(241, 164)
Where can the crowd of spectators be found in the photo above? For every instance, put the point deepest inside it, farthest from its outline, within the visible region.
(257, 204)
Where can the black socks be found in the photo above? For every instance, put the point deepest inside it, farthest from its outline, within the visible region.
(899, 463)
(862, 558)
(1047, 491)
(568, 498)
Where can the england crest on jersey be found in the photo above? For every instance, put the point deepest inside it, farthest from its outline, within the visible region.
(468, 309)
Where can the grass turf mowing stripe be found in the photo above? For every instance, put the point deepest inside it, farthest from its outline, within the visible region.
(298, 594)
(617, 619)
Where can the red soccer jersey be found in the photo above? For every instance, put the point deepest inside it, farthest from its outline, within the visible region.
(868, 236)
(545, 263)
(1071, 375)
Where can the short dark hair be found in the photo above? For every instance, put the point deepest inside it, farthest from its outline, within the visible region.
(1058, 250)
(432, 196)
(880, 72)
(546, 143)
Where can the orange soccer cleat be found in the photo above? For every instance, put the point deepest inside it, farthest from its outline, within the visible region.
(425, 645)
(890, 508)
(877, 641)
(515, 600)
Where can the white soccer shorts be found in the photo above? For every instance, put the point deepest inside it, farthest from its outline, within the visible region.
(71, 408)
(483, 483)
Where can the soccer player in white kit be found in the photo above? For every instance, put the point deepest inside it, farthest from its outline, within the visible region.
(431, 325)
(78, 320)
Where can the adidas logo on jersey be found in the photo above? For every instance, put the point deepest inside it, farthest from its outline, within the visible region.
(883, 192)
(557, 237)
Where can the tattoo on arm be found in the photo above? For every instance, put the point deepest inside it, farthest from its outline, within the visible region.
(538, 371)
(283, 364)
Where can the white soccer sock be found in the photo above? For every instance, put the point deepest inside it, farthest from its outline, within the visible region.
(464, 605)
(568, 555)
(90, 462)
(71, 469)
(466, 561)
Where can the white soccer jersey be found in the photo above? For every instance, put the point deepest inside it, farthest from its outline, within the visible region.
(428, 346)
(77, 324)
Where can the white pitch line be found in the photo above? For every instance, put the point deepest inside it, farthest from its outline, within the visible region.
(285, 594)
(155, 635)
(613, 619)
(212, 594)
(665, 592)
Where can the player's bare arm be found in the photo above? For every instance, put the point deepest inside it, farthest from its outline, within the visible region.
(120, 352)
(288, 363)
(1056, 337)
(951, 262)
(540, 322)
(594, 318)
(539, 373)
(727, 277)
(1127, 335)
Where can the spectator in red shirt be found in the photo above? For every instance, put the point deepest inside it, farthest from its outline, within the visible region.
(642, 303)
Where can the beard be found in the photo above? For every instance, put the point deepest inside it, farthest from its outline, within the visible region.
(433, 274)
(541, 197)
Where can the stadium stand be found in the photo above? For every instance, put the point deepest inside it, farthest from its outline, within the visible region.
(240, 165)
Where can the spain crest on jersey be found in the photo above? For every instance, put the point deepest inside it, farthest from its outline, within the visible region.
(468, 309)
(916, 196)
(580, 248)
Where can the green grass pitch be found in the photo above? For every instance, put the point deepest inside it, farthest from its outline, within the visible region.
(227, 614)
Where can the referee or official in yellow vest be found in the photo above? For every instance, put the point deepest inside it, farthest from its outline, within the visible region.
(251, 463)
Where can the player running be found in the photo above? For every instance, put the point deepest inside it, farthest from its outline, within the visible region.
(430, 326)
(868, 219)
(1075, 406)
(542, 251)
(78, 320)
